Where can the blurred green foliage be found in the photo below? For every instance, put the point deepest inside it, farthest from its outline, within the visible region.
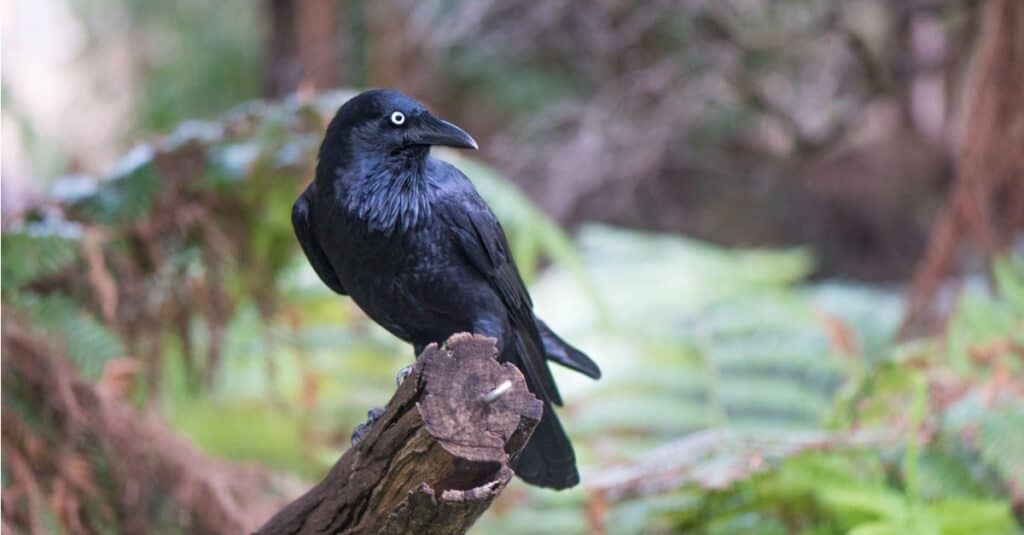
(195, 58)
(705, 338)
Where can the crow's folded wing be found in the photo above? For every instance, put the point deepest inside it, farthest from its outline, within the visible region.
(302, 222)
(484, 243)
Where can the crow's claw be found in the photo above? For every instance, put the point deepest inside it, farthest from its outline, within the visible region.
(403, 374)
(361, 430)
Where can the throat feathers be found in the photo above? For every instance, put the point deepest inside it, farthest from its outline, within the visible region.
(396, 194)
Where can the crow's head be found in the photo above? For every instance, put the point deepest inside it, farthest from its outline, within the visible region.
(382, 123)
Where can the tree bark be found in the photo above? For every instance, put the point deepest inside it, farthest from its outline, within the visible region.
(436, 458)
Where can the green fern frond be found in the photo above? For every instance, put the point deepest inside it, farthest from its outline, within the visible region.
(35, 251)
(84, 340)
(1002, 443)
(1009, 277)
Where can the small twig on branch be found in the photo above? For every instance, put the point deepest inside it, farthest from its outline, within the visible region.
(435, 459)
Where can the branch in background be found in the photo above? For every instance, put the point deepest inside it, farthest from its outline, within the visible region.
(713, 460)
(877, 77)
(735, 455)
(436, 458)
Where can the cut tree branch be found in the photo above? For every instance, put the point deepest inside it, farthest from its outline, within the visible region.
(435, 459)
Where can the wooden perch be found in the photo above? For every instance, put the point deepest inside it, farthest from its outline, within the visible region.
(436, 458)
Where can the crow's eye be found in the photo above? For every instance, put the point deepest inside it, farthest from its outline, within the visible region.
(397, 118)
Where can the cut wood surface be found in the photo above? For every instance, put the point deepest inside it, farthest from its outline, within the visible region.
(435, 459)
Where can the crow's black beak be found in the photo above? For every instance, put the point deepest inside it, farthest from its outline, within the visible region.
(433, 131)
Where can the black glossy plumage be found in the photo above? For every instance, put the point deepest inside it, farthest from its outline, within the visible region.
(410, 240)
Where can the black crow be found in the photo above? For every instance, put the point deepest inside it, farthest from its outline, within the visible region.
(410, 240)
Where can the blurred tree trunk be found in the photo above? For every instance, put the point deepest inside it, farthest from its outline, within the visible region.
(302, 45)
(385, 45)
(986, 205)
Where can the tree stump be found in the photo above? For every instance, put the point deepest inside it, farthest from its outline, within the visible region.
(435, 459)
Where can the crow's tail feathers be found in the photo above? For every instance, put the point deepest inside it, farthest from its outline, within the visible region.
(558, 350)
(548, 460)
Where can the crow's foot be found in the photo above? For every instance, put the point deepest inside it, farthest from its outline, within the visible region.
(403, 374)
(362, 429)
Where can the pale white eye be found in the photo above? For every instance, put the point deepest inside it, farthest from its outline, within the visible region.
(397, 118)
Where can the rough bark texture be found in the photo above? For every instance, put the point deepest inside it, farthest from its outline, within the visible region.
(437, 457)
